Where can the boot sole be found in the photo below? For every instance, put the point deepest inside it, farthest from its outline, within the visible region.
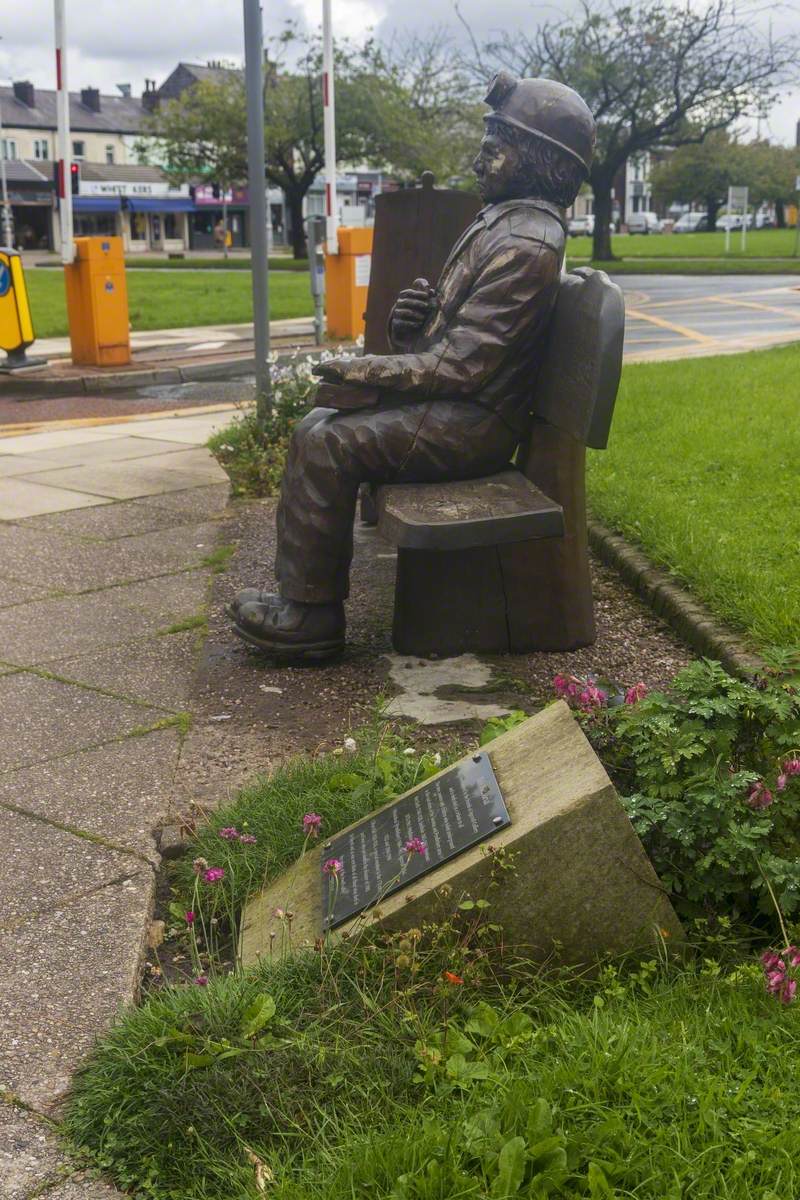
(313, 652)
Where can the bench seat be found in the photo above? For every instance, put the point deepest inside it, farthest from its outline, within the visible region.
(491, 511)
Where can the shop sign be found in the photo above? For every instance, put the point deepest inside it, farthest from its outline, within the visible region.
(91, 187)
(204, 194)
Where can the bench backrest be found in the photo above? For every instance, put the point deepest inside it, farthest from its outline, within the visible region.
(578, 381)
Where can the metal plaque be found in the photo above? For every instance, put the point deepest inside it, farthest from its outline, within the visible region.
(450, 813)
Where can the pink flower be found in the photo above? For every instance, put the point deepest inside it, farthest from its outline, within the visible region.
(792, 766)
(333, 866)
(201, 980)
(247, 839)
(560, 685)
(592, 697)
(636, 693)
(189, 918)
(230, 834)
(415, 845)
(311, 824)
(759, 795)
(778, 970)
(780, 783)
(213, 875)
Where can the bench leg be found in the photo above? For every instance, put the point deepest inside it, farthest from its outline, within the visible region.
(449, 602)
(548, 583)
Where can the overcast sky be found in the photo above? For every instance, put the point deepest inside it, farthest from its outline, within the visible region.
(115, 41)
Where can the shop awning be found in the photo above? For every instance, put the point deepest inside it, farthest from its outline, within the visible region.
(167, 205)
(96, 204)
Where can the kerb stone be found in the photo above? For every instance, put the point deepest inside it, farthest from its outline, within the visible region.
(581, 885)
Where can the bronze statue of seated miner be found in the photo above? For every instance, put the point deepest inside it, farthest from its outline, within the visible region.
(454, 400)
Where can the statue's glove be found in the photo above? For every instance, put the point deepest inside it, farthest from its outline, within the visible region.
(411, 310)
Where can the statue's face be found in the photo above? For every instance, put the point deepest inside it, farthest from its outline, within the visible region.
(498, 167)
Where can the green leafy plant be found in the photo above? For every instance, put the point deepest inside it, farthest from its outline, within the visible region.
(710, 777)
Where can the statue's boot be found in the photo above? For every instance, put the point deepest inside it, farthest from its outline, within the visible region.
(250, 595)
(288, 629)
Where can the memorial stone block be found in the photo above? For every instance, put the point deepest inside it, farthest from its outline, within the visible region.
(580, 886)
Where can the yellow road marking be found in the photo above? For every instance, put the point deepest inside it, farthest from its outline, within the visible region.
(683, 330)
(84, 422)
(767, 308)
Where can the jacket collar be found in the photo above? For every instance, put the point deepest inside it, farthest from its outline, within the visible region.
(493, 212)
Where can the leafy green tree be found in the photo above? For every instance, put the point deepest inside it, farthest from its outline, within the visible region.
(702, 172)
(773, 174)
(654, 75)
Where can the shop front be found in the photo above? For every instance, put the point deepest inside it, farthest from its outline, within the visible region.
(97, 216)
(209, 218)
(148, 213)
(158, 224)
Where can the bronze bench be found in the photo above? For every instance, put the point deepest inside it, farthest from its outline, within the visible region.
(500, 564)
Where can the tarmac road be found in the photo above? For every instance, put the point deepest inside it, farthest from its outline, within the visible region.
(668, 317)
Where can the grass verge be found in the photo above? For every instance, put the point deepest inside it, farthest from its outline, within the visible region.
(701, 471)
(164, 300)
(761, 243)
(687, 266)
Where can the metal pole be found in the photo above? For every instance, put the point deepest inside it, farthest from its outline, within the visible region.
(329, 125)
(8, 216)
(259, 260)
(64, 149)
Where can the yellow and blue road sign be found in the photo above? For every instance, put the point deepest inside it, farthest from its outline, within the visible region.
(16, 326)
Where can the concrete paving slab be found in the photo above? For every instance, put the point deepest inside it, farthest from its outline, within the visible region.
(120, 791)
(156, 670)
(127, 518)
(58, 564)
(20, 498)
(137, 477)
(20, 464)
(65, 975)
(167, 599)
(44, 630)
(39, 443)
(47, 868)
(15, 591)
(195, 429)
(30, 1157)
(112, 449)
(42, 719)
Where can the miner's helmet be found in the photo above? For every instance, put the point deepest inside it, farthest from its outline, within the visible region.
(545, 109)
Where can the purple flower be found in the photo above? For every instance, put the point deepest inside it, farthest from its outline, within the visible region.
(229, 833)
(759, 795)
(248, 839)
(189, 918)
(311, 824)
(792, 766)
(780, 783)
(636, 693)
(213, 875)
(779, 970)
(415, 845)
(201, 980)
(333, 866)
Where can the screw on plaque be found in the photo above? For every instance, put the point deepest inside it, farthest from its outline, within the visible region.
(477, 757)
(497, 820)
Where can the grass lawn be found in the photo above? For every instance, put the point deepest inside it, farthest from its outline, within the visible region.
(280, 262)
(761, 243)
(691, 266)
(166, 300)
(702, 472)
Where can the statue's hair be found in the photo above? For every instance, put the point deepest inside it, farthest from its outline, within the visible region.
(548, 171)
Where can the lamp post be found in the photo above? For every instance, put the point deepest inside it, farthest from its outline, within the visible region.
(259, 260)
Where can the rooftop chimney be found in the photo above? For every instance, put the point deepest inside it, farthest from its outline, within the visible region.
(90, 98)
(149, 96)
(24, 92)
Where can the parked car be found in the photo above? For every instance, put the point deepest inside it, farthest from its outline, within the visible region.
(644, 222)
(581, 225)
(691, 222)
(734, 221)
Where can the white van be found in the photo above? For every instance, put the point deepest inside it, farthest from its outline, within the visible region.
(644, 222)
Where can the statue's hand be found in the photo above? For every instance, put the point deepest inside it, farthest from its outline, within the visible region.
(412, 309)
(331, 371)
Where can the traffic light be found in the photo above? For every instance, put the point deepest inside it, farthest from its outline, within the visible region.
(75, 177)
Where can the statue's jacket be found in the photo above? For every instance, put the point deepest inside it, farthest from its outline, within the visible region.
(484, 340)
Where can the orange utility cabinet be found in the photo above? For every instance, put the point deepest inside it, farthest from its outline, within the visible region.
(347, 281)
(97, 303)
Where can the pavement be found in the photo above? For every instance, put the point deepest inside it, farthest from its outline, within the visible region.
(105, 537)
